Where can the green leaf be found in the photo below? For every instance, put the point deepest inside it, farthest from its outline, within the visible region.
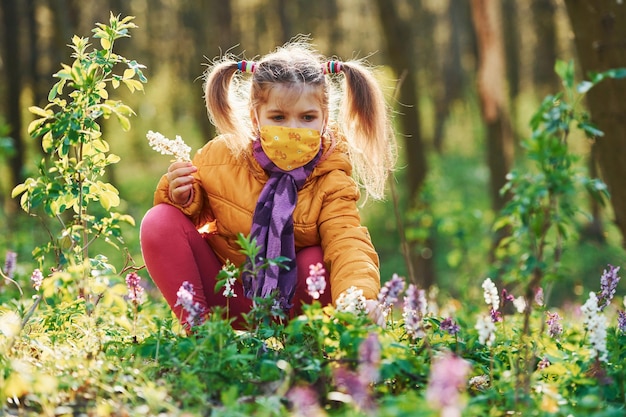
(18, 189)
(565, 70)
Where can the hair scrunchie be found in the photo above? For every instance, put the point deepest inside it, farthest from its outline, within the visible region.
(246, 66)
(331, 67)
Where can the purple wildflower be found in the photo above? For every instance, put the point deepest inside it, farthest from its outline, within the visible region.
(185, 299)
(415, 307)
(36, 279)
(10, 263)
(135, 290)
(621, 321)
(554, 324)
(390, 293)
(355, 387)
(316, 281)
(496, 316)
(608, 284)
(369, 358)
(449, 326)
(305, 402)
(506, 296)
(543, 363)
(447, 378)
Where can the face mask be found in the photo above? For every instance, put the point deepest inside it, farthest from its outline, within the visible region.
(290, 148)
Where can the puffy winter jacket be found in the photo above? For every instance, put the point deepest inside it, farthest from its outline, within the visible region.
(226, 192)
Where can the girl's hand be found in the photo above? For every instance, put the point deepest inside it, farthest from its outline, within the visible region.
(375, 312)
(180, 181)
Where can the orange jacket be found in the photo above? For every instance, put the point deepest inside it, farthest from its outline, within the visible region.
(226, 192)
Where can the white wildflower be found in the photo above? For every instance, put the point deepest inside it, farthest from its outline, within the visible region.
(229, 291)
(486, 330)
(177, 147)
(491, 294)
(352, 301)
(520, 304)
(595, 323)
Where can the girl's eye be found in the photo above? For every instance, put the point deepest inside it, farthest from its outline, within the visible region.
(309, 118)
(278, 118)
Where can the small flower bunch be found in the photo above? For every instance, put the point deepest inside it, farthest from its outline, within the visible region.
(36, 279)
(553, 321)
(608, 285)
(185, 299)
(486, 330)
(10, 263)
(492, 298)
(595, 323)
(135, 290)
(414, 310)
(352, 301)
(315, 282)
(177, 147)
(390, 293)
(448, 378)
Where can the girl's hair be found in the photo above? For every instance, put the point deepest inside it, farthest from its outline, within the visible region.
(361, 116)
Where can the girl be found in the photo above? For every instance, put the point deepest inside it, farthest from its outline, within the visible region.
(285, 170)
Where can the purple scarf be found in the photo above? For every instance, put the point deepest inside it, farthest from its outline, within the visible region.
(272, 227)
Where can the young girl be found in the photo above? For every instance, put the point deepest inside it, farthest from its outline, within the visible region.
(285, 170)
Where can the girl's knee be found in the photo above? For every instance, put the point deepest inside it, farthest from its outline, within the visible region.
(161, 220)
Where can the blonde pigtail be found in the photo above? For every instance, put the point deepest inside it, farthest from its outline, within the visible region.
(365, 120)
(224, 103)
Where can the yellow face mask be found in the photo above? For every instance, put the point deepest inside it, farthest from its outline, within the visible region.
(290, 148)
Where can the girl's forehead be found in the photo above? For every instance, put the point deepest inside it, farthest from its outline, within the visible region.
(287, 96)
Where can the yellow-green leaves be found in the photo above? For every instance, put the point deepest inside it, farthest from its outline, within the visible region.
(70, 177)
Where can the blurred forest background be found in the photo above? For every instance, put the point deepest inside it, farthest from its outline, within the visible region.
(463, 77)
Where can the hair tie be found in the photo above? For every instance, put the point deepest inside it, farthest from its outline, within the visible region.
(246, 66)
(331, 67)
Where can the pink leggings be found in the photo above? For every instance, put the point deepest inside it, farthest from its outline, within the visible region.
(175, 252)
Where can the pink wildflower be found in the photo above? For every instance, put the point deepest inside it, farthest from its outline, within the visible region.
(539, 296)
(369, 358)
(543, 363)
(554, 324)
(36, 279)
(135, 290)
(185, 299)
(448, 375)
(316, 281)
(305, 402)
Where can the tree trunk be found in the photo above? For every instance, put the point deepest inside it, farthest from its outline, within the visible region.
(454, 78)
(545, 52)
(600, 39)
(11, 58)
(493, 97)
(401, 54)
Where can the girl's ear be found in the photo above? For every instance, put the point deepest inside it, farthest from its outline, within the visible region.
(254, 119)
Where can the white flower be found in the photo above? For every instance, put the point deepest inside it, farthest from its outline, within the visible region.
(229, 291)
(595, 323)
(491, 294)
(165, 146)
(486, 330)
(520, 304)
(351, 301)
